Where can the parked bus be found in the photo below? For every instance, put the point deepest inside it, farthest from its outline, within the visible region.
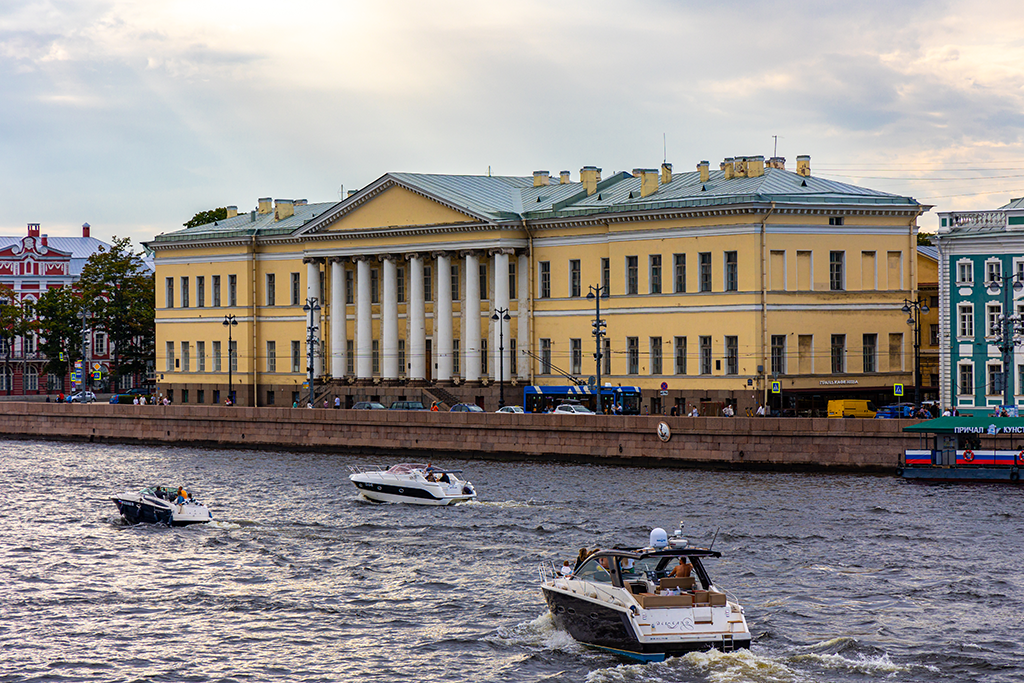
(617, 400)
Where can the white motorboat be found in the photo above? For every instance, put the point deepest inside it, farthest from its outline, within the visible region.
(159, 505)
(412, 483)
(627, 602)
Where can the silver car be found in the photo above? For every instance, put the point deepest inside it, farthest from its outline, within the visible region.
(510, 409)
(573, 409)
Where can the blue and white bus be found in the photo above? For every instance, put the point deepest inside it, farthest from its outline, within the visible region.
(614, 400)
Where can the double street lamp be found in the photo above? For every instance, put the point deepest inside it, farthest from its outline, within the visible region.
(312, 307)
(501, 316)
(1008, 327)
(915, 309)
(596, 294)
(229, 322)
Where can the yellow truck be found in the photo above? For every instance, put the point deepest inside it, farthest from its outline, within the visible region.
(854, 407)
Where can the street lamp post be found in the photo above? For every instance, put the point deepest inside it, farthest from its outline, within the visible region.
(915, 309)
(229, 322)
(596, 294)
(1008, 327)
(84, 385)
(501, 316)
(312, 307)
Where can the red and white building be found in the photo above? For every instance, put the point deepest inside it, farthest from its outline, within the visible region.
(30, 265)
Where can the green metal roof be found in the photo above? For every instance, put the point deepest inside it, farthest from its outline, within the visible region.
(501, 199)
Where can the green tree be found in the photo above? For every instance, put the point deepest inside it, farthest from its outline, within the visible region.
(204, 217)
(17, 319)
(924, 239)
(61, 328)
(119, 291)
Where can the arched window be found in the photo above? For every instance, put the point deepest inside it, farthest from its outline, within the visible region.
(32, 379)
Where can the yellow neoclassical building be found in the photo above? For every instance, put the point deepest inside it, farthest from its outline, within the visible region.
(715, 284)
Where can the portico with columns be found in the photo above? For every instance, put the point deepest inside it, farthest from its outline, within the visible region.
(402, 348)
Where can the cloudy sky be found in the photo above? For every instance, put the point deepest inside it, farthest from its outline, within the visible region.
(132, 115)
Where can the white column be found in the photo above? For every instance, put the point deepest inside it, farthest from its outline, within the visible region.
(339, 318)
(313, 295)
(364, 321)
(471, 313)
(389, 319)
(523, 314)
(501, 302)
(417, 320)
(443, 317)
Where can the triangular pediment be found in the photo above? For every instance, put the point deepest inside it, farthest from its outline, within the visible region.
(395, 206)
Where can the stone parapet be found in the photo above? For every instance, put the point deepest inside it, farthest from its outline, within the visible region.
(741, 443)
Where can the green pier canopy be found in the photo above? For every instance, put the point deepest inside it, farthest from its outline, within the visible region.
(992, 426)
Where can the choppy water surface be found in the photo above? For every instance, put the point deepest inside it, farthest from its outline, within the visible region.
(843, 578)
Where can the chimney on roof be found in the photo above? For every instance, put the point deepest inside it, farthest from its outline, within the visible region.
(755, 166)
(85, 229)
(283, 208)
(232, 211)
(351, 192)
(33, 230)
(637, 172)
(590, 176)
(541, 178)
(648, 181)
(43, 240)
(739, 167)
(728, 168)
(300, 202)
(803, 165)
(563, 178)
(705, 171)
(266, 205)
(777, 162)
(666, 173)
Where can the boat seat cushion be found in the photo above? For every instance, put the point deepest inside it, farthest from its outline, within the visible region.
(685, 583)
(649, 600)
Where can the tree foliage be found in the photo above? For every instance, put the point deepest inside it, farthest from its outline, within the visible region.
(924, 239)
(61, 327)
(204, 217)
(119, 290)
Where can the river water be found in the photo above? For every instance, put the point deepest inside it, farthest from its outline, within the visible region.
(843, 578)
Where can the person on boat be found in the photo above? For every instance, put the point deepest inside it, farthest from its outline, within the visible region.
(681, 570)
(566, 570)
(581, 557)
(182, 496)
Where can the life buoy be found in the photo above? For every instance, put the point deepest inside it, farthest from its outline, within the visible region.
(968, 455)
(1019, 458)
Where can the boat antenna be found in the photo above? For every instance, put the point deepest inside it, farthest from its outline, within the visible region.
(711, 547)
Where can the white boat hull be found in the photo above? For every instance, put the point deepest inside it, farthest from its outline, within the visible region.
(388, 486)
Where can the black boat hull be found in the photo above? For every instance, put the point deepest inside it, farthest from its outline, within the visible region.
(144, 513)
(605, 627)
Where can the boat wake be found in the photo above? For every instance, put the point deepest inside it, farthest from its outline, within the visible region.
(541, 633)
(500, 503)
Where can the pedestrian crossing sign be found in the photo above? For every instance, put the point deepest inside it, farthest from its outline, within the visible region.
(776, 387)
(897, 389)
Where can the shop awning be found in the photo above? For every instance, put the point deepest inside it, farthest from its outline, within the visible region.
(992, 426)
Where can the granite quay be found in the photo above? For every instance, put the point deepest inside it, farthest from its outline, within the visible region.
(734, 443)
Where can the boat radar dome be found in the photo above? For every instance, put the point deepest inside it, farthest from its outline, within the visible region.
(659, 539)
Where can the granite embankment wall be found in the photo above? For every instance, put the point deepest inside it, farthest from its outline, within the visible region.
(740, 443)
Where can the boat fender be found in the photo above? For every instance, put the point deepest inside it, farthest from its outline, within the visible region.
(968, 455)
(899, 471)
(1014, 474)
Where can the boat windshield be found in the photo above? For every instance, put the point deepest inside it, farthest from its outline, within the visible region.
(406, 468)
(595, 570)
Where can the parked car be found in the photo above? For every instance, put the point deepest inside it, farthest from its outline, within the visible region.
(369, 405)
(408, 405)
(510, 409)
(81, 397)
(466, 408)
(572, 409)
(896, 410)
